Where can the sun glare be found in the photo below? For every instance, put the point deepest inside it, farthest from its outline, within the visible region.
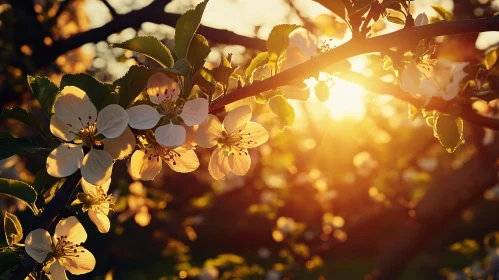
(346, 101)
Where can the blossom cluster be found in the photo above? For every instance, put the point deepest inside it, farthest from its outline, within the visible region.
(167, 129)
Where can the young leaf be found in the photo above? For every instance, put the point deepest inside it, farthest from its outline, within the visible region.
(13, 229)
(446, 15)
(223, 72)
(278, 42)
(259, 60)
(335, 6)
(18, 113)
(264, 97)
(45, 91)
(19, 190)
(44, 182)
(132, 84)
(490, 59)
(186, 27)
(149, 46)
(281, 108)
(99, 93)
(204, 79)
(395, 20)
(198, 51)
(13, 146)
(449, 131)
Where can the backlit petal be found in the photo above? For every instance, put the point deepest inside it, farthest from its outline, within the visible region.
(219, 164)
(57, 271)
(84, 263)
(144, 168)
(38, 244)
(421, 19)
(253, 135)
(74, 107)
(92, 189)
(143, 116)
(170, 135)
(161, 87)
(100, 220)
(187, 161)
(61, 129)
(121, 146)
(64, 160)
(72, 228)
(195, 111)
(209, 132)
(237, 119)
(112, 120)
(411, 78)
(239, 162)
(97, 167)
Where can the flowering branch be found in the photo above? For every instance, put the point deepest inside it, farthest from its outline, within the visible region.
(405, 38)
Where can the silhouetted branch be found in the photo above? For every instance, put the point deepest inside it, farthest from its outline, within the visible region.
(112, 11)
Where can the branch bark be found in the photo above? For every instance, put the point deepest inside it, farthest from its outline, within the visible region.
(405, 38)
(154, 13)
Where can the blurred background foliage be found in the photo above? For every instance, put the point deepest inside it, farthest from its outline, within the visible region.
(322, 198)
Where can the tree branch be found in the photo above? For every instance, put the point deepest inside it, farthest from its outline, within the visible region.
(154, 13)
(464, 111)
(405, 38)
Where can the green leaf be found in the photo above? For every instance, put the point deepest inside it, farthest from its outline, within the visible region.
(181, 67)
(281, 108)
(13, 146)
(19, 190)
(30, 120)
(99, 93)
(13, 229)
(8, 261)
(260, 60)
(198, 52)
(223, 72)
(44, 182)
(186, 27)
(449, 131)
(487, 95)
(278, 42)
(204, 79)
(335, 6)
(150, 47)
(446, 15)
(132, 84)
(264, 97)
(45, 91)
(395, 20)
(490, 59)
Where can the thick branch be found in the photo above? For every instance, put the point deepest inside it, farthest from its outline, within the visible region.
(153, 13)
(406, 38)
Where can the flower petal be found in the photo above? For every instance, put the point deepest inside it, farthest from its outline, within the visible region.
(186, 161)
(75, 108)
(84, 263)
(421, 19)
(38, 244)
(57, 271)
(411, 78)
(237, 119)
(61, 129)
(219, 164)
(160, 87)
(240, 162)
(145, 166)
(458, 72)
(143, 116)
(72, 229)
(428, 88)
(451, 91)
(100, 220)
(92, 189)
(195, 111)
(64, 160)
(97, 167)
(304, 40)
(170, 135)
(121, 146)
(190, 137)
(112, 120)
(253, 135)
(209, 132)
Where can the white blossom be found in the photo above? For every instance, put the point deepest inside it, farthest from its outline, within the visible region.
(164, 93)
(233, 138)
(64, 249)
(77, 122)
